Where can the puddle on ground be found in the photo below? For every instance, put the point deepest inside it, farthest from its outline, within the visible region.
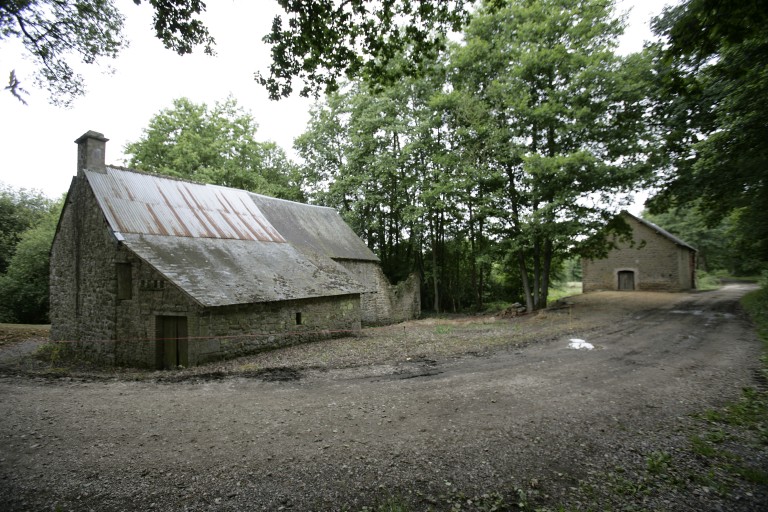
(578, 344)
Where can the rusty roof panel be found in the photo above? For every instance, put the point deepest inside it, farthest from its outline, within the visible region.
(228, 272)
(314, 228)
(153, 205)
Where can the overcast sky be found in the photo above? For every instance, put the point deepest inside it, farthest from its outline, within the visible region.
(37, 149)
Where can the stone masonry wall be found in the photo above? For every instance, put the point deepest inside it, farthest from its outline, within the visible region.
(98, 324)
(234, 331)
(82, 276)
(381, 302)
(152, 295)
(657, 262)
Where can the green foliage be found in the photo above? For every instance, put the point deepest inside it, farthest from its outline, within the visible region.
(712, 102)
(214, 145)
(551, 119)
(707, 281)
(176, 25)
(658, 462)
(721, 246)
(50, 353)
(19, 210)
(324, 39)
(484, 171)
(24, 286)
(54, 33)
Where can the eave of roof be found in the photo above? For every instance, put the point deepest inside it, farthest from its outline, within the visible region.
(217, 272)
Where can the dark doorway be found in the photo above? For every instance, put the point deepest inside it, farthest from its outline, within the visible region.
(171, 346)
(626, 280)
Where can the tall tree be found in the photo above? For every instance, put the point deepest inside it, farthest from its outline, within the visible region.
(712, 98)
(24, 284)
(324, 40)
(214, 145)
(557, 120)
(385, 157)
(316, 41)
(19, 210)
(355, 152)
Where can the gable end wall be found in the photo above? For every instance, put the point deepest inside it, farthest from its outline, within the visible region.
(658, 263)
(83, 285)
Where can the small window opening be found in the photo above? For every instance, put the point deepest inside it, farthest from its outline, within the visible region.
(298, 318)
(124, 281)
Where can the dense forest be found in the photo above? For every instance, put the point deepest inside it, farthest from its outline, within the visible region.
(491, 162)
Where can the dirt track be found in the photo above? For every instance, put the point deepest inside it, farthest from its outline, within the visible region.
(433, 430)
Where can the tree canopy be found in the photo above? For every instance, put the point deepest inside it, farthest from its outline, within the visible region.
(27, 224)
(19, 210)
(213, 145)
(56, 33)
(325, 40)
(712, 101)
(504, 153)
(318, 41)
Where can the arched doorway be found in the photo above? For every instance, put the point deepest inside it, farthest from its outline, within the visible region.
(626, 280)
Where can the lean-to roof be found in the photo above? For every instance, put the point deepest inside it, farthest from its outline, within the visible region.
(313, 228)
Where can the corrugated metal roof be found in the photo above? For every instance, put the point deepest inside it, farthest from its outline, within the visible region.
(218, 272)
(224, 246)
(143, 204)
(314, 228)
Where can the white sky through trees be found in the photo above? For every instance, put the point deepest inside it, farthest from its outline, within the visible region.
(37, 149)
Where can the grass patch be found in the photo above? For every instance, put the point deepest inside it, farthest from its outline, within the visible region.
(702, 447)
(705, 281)
(565, 289)
(11, 333)
(756, 305)
(50, 353)
(754, 475)
(658, 463)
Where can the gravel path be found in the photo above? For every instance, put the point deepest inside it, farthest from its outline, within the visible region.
(521, 419)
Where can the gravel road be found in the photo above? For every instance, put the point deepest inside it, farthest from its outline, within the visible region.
(535, 423)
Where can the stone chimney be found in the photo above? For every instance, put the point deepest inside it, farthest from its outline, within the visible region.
(90, 152)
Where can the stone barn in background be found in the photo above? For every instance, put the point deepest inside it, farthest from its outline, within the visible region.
(655, 261)
(159, 272)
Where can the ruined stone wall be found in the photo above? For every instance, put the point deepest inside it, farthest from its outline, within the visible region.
(383, 303)
(658, 264)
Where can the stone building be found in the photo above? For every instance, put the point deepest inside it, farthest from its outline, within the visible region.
(655, 260)
(158, 272)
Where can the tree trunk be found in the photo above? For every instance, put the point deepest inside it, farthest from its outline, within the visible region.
(545, 272)
(526, 284)
(435, 272)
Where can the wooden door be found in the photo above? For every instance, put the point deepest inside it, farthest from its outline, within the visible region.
(626, 280)
(171, 344)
